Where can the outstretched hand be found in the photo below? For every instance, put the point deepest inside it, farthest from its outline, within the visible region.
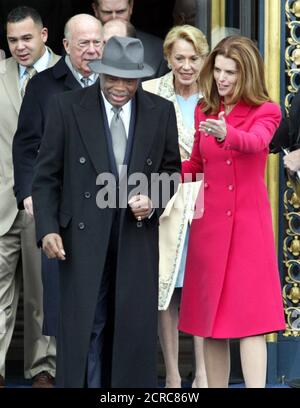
(215, 127)
(292, 160)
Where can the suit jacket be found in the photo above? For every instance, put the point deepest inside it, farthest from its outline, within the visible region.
(287, 135)
(26, 145)
(153, 49)
(74, 151)
(31, 123)
(10, 102)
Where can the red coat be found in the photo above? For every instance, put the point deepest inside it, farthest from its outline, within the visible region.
(232, 287)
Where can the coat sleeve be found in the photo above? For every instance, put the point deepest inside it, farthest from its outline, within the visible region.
(281, 137)
(294, 121)
(259, 135)
(26, 144)
(287, 133)
(171, 162)
(47, 182)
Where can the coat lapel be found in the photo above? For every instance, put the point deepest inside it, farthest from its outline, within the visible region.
(70, 81)
(143, 132)
(53, 58)
(11, 83)
(89, 117)
(238, 114)
(62, 72)
(90, 120)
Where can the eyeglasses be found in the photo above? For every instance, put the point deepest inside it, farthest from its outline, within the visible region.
(85, 44)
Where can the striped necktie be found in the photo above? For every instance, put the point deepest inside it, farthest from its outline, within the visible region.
(29, 73)
(85, 81)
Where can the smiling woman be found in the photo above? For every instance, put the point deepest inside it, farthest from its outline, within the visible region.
(233, 75)
(185, 49)
(225, 75)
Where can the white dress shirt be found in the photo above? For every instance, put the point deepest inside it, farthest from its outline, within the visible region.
(77, 75)
(40, 65)
(125, 113)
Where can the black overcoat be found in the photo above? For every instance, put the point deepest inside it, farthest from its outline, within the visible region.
(74, 151)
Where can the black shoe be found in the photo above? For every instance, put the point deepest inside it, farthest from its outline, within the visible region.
(43, 380)
(2, 382)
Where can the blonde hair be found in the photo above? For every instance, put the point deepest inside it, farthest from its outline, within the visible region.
(251, 85)
(188, 33)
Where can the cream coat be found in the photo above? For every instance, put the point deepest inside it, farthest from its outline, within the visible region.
(179, 211)
(10, 102)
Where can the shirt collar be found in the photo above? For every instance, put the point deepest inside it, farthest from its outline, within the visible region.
(125, 108)
(77, 75)
(40, 65)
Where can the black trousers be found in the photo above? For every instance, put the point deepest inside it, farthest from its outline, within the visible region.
(100, 351)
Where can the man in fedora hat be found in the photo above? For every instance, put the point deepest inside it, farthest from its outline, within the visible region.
(95, 140)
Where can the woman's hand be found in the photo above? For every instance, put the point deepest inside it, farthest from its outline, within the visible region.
(292, 160)
(216, 128)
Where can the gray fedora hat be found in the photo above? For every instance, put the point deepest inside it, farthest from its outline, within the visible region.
(122, 57)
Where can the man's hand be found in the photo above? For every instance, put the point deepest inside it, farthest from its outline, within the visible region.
(53, 247)
(141, 206)
(27, 202)
(292, 160)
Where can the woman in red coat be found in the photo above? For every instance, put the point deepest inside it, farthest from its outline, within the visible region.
(232, 287)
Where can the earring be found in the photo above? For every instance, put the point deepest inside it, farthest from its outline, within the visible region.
(169, 66)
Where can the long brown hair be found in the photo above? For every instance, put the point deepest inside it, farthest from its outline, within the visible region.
(251, 84)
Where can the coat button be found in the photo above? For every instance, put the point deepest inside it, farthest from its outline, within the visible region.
(229, 213)
(81, 225)
(82, 160)
(139, 224)
(230, 187)
(87, 194)
(229, 162)
(149, 162)
(206, 185)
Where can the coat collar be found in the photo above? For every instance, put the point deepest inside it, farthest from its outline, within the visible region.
(90, 120)
(54, 58)
(62, 72)
(238, 114)
(10, 70)
(143, 133)
(164, 86)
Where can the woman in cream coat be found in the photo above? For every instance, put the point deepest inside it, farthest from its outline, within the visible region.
(185, 48)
